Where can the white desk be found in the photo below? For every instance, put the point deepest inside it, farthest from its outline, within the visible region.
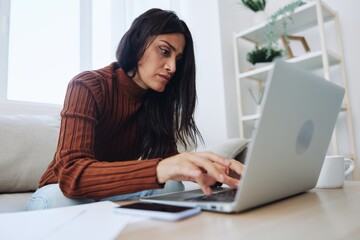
(317, 214)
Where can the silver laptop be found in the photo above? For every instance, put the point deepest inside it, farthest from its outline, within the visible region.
(288, 145)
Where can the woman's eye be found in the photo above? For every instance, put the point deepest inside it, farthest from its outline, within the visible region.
(165, 52)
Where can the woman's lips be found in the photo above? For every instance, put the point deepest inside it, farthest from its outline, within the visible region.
(166, 77)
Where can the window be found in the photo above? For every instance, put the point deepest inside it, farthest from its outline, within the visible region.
(43, 49)
(52, 41)
(49, 42)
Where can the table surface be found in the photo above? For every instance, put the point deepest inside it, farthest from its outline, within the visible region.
(316, 214)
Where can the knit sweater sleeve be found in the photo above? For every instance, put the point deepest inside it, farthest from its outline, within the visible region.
(75, 168)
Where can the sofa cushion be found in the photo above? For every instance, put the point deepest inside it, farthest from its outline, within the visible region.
(27, 145)
(14, 202)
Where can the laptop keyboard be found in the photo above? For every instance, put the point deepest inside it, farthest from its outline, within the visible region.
(224, 196)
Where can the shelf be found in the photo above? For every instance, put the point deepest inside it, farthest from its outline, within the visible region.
(257, 73)
(310, 61)
(313, 60)
(304, 17)
(310, 16)
(250, 117)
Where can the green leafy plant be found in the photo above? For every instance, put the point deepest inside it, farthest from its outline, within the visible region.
(263, 54)
(254, 5)
(269, 52)
(286, 13)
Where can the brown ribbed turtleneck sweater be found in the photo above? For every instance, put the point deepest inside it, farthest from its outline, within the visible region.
(97, 152)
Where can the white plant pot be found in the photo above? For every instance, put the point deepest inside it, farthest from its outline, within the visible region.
(261, 64)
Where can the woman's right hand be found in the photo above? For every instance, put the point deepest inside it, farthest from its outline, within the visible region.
(204, 168)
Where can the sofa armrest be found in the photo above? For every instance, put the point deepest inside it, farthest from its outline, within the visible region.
(234, 148)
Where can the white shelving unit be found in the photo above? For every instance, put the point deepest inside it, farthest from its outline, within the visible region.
(311, 15)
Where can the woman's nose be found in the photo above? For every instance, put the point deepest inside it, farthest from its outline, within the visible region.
(171, 65)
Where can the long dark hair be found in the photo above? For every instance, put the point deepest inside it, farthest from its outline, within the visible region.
(165, 117)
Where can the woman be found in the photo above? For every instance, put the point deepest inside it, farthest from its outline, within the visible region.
(120, 124)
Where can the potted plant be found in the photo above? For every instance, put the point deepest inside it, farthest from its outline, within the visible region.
(254, 5)
(271, 50)
(258, 7)
(263, 54)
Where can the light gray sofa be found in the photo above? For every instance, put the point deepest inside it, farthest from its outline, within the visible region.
(27, 145)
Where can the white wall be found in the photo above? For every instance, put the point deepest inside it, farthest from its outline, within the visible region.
(202, 17)
(233, 18)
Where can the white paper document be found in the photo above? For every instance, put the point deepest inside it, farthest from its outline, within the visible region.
(87, 221)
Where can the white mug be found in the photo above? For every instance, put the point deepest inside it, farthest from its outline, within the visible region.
(334, 170)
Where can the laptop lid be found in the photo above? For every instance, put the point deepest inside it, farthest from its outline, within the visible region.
(289, 142)
(291, 138)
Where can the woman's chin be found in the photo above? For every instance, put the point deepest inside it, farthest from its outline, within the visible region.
(159, 88)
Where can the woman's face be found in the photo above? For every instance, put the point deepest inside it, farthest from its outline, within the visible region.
(158, 63)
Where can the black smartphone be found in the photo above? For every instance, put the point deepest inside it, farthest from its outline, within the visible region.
(157, 211)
